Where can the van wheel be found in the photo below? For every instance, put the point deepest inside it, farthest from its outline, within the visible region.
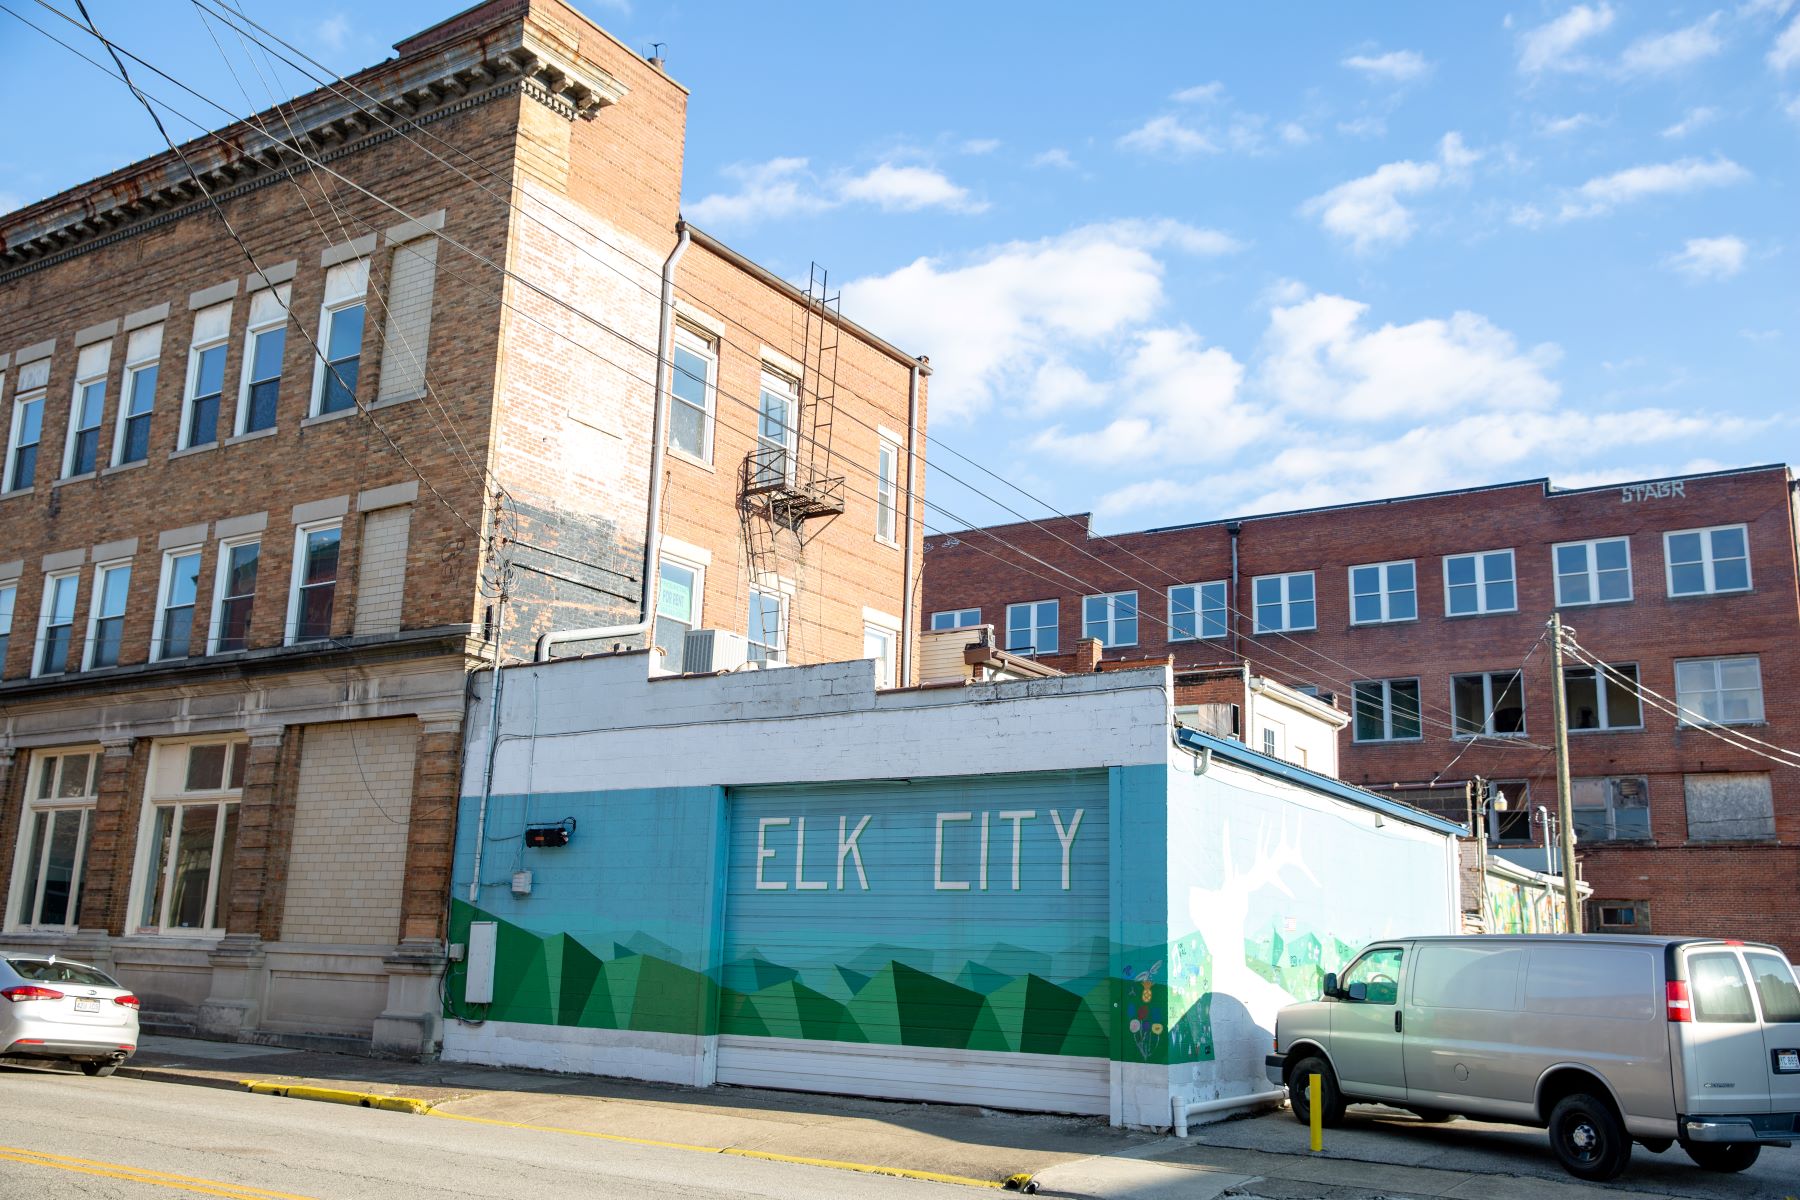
(99, 1070)
(1330, 1100)
(1588, 1138)
(1433, 1116)
(1727, 1157)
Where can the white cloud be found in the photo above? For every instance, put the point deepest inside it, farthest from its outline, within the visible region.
(1662, 53)
(1710, 259)
(908, 189)
(1792, 108)
(1694, 119)
(1560, 126)
(1552, 46)
(1396, 66)
(1602, 194)
(1295, 134)
(333, 32)
(1365, 126)
(787, 187)
(1368, 212)
(1056, 157)
(1204, 93)
(1167, 135)
(1785, 52)
(979, 145)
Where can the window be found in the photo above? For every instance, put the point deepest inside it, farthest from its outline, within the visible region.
(768, 627)
(1611, 810)
(1775, 987)
(27, 426)
(1490, 704)
(1479, 583)
(9, 599)
(1284, 603)
(1112, 618)
(1271, 745)
(131, 441)
(1031, 628)
(775, 430)
(106, 624)
(961, 618)
(691, 395)
(56, 624)
(315, 582)
(341, 337)
(1623, 916)
(1386, 710)
(878, 644)
(1379, 973)
(1197, 610)
(1729, 807)
(406, 338)
(87, 411)
(206, 376)
(189, 835)
(887, 489)
(59, 800)
(1603, 699)
(264, 344)
(1703, 561)
(1719, 691)
(173, 636)
(677, 608)
(1512, 827)
(1597, 572)
(1383, 592)
(235, 594)
(1719, 991)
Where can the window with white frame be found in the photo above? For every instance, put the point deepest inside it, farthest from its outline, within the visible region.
(265, 341)
(206, 376)
(1489, 704)
(1112, 618)
(1614, 809)
(1031, 628)
(137, 396)
(878, 644)
(1704, 561)
(341, 319)
(9, 600)
(106, 621)
(1480, 583)
(1385, 710)
(187, 843)
(1596, 699)
(678, 594)
(1596, 572)
(313, 591)
(1719, 691)
(87, 410)
(1285, 603)
(768, 627)
(956, 618)
(56, 622)
(1381, 592)
(60, 793)
(776, 417)
(1197, 611)
(176, 596)
(887, 489)
(234, 595)
(693, 384)
(27, 426)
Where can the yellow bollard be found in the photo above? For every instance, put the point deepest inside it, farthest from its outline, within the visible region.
(1314, 1113)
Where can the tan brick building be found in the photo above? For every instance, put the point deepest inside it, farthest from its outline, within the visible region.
(264, 507)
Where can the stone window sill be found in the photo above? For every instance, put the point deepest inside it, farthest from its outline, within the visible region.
(193, 450)
(326, 418)
(129, 466)
(253, 435)
(81, 478)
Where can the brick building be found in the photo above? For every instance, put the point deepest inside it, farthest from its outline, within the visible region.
(1424, 618)
(265, 507)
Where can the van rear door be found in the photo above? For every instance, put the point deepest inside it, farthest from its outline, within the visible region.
(1779, 996)
(1722, 1051)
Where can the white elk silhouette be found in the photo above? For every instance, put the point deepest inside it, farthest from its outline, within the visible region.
(1221, 916)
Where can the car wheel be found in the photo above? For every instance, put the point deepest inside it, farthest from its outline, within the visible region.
(99, 1070)
(1330, 1101)
(1723, 1156)
(1433, 1116)
(1588, 1138)
(1656, 1145)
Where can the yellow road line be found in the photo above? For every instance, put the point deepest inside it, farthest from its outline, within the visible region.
(296, 1091)
(167, 1179)
(834, 1164)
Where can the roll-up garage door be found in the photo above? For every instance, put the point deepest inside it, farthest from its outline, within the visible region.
(940, 939)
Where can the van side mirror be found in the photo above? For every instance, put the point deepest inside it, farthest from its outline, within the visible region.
(1330, 991)
(1358, 992)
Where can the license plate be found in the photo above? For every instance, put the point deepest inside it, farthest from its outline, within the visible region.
(87, 1006)
(1787, 1062)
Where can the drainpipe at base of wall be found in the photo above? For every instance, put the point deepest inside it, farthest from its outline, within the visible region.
(1180, 1110)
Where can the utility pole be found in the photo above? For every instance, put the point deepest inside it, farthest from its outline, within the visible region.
(1564, 809)
(1475, 792)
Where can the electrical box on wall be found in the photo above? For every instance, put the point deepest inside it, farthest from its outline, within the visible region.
(521, 884)
(550, 834)
(484, 938)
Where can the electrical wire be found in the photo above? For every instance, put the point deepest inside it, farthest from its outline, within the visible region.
(1488, 721)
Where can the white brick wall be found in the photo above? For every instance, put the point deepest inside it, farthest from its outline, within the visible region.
(350, 818)
(381, 580)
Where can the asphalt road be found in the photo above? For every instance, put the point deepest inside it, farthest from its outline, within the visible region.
(66, 1136)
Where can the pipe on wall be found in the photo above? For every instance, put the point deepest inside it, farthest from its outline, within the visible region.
(909, 572)
(1234, 528)
(1180, 1110)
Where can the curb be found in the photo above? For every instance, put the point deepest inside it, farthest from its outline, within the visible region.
(165, 1075)
(405, 1104)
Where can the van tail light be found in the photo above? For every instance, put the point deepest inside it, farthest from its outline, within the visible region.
(128, 1000)
(1681, 1008)
(30, 991)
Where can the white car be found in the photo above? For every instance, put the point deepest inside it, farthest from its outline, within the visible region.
(58, 1009)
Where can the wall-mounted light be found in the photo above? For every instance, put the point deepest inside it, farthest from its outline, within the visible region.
(556, 833)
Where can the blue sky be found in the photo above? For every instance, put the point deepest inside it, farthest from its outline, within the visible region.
(1212, 259)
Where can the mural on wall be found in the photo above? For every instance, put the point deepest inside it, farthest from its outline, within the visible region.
(1518, 907)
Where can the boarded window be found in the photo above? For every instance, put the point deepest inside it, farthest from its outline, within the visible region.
(1732, 807)
(410, 285)
(381, 580)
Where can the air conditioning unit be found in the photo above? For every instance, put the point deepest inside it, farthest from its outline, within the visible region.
(707, 650)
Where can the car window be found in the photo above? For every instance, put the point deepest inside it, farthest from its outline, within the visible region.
(40, 970)
(1775, 987)
(1720, 993)
(1379, 972)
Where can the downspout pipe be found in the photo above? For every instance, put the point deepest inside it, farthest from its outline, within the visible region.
(910, 571)
(1234, 528)
(1180, 1110)
(658, 454)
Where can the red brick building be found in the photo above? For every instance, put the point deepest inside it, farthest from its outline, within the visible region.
(1424, 616)
(264, 507)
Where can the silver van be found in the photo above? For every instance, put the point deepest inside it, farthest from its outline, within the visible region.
(1602, 1041)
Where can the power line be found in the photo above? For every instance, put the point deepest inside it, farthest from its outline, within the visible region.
(1488, 721)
